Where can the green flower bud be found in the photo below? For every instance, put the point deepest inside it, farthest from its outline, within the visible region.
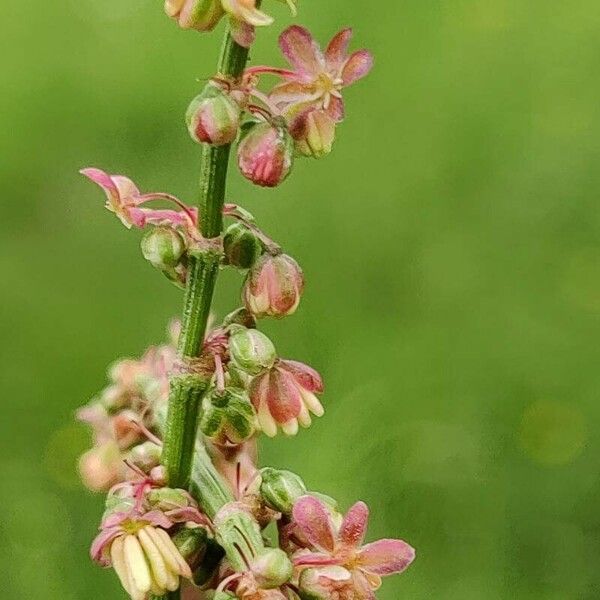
(163, 247)
(213, 117)
(228, 413)
(167, 498)
(271, 568)
(190, 542)
(280, 489)
(146, 456)
(241, 246)
(251, 350)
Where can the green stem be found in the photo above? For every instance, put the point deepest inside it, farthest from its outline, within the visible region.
(187, 390)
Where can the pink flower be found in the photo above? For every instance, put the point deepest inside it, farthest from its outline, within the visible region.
(125, 200)
(274, 286)
(337, 560)
(317, 78)
(133, 539)
(284, 395)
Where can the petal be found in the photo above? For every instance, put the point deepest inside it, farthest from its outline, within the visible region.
(301, 51)
(354, 526)
(363, 586)
(105, 181)
(336, 109)
(304, 375)
(357, 66)
(314, 559)
(127, 189)
(283, 396)
(313, 520)
(293, 92)
(158, 518)
(337, 50)
(386, 557)
(101, 545)
(249, 14)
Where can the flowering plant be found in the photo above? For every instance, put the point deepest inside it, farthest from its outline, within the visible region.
(175, 432)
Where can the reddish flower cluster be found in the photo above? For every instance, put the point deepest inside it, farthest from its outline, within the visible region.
(155, 537)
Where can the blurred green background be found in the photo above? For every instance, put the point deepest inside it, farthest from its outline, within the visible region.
(451, 245)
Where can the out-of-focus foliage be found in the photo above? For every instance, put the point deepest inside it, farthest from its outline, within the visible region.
(451, 245)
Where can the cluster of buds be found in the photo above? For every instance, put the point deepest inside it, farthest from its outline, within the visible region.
(297, 117)
(154, 536)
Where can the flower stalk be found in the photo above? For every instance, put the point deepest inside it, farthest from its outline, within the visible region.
(187, 390)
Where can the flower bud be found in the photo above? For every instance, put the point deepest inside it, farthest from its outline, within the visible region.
(271, 568)
(251, 350)
(190, 541)
(213, 117)
(165, 499)
(280, 489)
(265, 154)
(229, 414)
(201, 15)
(242, 248)
(273, 286)
(163, 247)
(314, 133)
(146, 456)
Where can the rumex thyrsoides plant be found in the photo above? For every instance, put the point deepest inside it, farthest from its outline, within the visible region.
(176, 431)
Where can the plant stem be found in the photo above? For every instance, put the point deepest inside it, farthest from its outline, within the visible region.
(187, 389)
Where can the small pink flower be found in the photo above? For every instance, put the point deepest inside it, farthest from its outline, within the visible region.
(317, 78)
(285, 395)
(266, 154)
(337, 558)
(274, 286)
(125, 200)
(134, 539)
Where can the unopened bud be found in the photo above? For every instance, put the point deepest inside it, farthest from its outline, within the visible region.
(146, 456)
(228, 413)
(265, 154)
(280, 489)
(201, 15)
(167, 498)
(213, 117)
(190, 541)
(314, 133)
(273, 286)
(271, 568)
(163, 247)
(241, 246)
(251, 350)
